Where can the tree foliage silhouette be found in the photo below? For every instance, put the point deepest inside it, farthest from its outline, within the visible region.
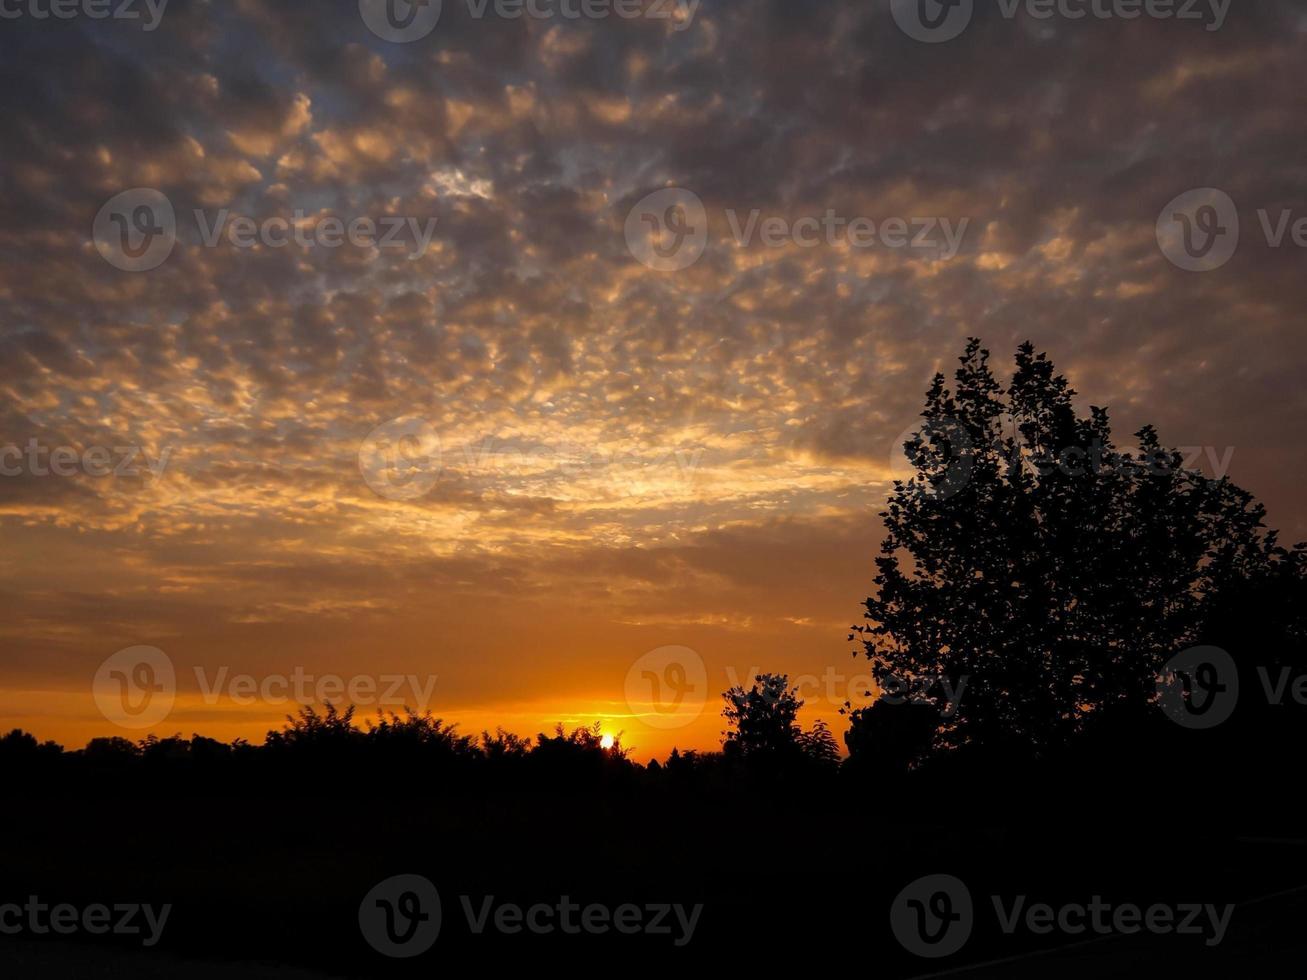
(765, 731)
(1055, 571)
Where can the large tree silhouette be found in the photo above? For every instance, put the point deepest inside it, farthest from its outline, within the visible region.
(1054, 571)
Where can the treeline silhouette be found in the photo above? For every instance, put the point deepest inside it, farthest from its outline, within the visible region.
(422, 750)
(1034, 583)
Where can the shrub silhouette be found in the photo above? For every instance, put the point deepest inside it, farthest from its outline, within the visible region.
(764, 733)
(885, 739)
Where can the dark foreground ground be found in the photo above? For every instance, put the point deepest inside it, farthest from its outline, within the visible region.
(271, 887)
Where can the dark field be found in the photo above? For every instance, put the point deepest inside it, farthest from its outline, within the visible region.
(271, 886)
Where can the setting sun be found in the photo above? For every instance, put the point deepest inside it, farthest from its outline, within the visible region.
(607, 742)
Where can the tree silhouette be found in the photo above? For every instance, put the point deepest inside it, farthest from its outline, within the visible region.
(1054, 571)
(819, 746)
(764, 730)
(413, 732)
(504, 745)
(309, 729)
(885, 739)
(762, 718)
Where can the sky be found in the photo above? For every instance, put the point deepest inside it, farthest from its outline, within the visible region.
(551, 368)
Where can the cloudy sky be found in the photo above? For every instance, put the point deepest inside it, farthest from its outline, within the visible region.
(425, 382)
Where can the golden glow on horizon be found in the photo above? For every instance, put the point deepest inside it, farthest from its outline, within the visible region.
(614, 460)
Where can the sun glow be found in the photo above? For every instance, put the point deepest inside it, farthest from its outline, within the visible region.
(607, 742)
